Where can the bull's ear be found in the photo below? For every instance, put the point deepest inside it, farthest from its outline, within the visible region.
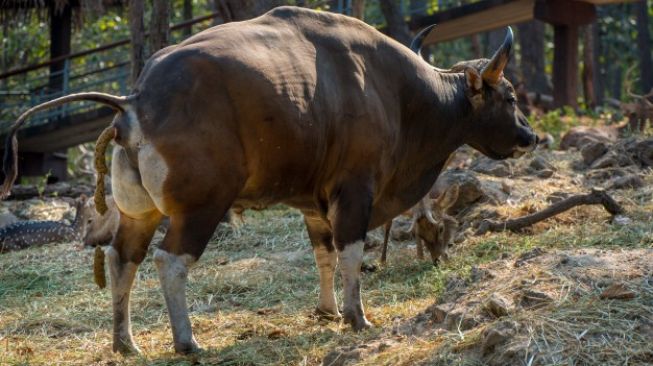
(473, 79)
(474, 83)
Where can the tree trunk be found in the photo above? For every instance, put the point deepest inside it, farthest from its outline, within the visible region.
(531, 42)
(477, 50)
(137, 32)
(644, 47)
(188, 15)
(418, 8)
(159, 25)
(588, 67)
(616, 77)
(235, 10)
(394, 17)
(599, 84)
(60, 33)
(358, 9)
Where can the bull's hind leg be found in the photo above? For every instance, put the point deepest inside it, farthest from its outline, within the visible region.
(184, 243)
(326, 259)
(349, 213)
(126, 253)
(138, 221)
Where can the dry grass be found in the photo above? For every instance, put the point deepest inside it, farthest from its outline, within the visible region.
(253, 292)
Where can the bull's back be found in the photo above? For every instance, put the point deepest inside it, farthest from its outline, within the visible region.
(289, 97)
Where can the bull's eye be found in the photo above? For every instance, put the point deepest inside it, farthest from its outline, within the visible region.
(511, 99)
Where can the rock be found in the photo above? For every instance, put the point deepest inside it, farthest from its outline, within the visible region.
(496, 168)
(497, 334)
(534, 299)
(626, 182)
(618, 291)
(494, 191)
(539, 163)
(469, 188)
(575, 136)
(512, 354)
(441, 311)
(455, 286)
(546, 141)
(607, 173)
(506, 187)
(605, 161)
(544, 174)
(621, 220)
(342, 357)
(527, 256)
(480, 274)
(460, 319)
(592, 151)
(7, 218)
(496, 306)
(644, 152)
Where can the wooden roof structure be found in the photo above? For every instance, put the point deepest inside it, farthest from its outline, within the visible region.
(566, 16)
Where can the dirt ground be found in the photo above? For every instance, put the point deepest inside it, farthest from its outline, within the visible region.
(574, 289)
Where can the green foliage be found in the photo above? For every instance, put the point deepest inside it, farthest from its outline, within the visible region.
(40, 185)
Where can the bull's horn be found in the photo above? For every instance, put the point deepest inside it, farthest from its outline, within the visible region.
(10, 166)
(493, 71)
(416, 44)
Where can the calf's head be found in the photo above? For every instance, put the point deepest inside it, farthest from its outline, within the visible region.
(434, 227)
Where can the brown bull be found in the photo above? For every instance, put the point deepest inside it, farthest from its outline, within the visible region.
(312, 109)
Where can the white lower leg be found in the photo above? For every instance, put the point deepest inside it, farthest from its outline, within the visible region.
(173, 273)
(122, 277)
(350, 260)
(326, 264)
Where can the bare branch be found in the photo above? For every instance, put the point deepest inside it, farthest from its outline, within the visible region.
(593, 198)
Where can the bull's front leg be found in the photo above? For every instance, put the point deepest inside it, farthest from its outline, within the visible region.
(326, 259)
(349, 213)
(124, 256)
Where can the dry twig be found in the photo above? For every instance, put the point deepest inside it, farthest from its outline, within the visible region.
(593, 198)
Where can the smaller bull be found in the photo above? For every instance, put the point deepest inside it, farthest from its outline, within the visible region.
(431, 226)
(103, 227)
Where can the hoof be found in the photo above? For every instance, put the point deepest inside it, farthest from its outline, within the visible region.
(326, 315)
(358, 323)
(126, 348)
(187, 348)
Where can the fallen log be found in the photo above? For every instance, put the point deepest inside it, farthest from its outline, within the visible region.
(595, 197)
(61, 189)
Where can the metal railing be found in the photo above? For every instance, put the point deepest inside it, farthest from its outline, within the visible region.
(107, 69)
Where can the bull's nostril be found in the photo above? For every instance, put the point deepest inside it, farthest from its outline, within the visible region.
(537, 139)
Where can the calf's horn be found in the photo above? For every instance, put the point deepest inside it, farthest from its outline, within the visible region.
(493, 71)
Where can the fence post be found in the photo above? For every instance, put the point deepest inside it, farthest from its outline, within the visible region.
(340, 6)
(64, 87)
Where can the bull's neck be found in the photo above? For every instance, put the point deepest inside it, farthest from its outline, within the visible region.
(444, 110)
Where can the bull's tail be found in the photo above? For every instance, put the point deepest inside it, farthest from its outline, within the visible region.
(101, 168)
(10, 161)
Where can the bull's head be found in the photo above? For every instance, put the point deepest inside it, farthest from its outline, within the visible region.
(500, 130)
